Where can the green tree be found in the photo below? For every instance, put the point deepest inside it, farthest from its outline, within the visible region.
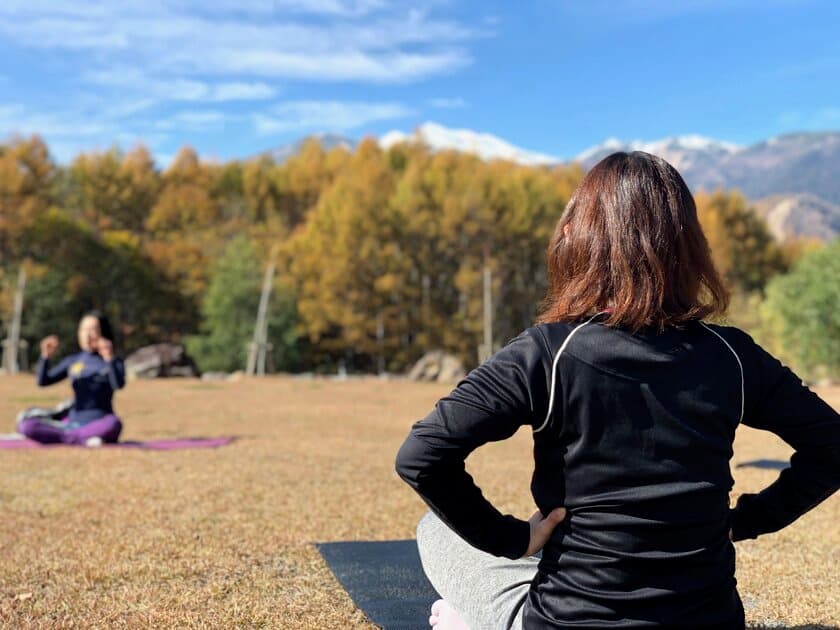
(229, 312)
(801, 312)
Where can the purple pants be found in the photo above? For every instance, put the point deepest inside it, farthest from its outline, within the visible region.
(107, 427)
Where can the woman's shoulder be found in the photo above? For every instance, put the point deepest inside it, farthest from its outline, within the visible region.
(738, 339)
(554, 334)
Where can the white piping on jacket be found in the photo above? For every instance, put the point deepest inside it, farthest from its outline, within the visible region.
(554, 370)
(740, 366)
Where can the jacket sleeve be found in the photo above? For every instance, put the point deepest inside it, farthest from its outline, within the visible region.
(48, 375)
(502, 394)
(786, 406)
(116, 373)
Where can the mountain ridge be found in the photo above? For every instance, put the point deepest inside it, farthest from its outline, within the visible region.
(793, 178)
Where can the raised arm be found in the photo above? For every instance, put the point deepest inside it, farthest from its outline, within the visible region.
(116, 367)
(48, 375)
(505, 392)
(784, 405)
(116, 373)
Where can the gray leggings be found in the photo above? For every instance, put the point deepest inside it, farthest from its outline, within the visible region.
(487, 591)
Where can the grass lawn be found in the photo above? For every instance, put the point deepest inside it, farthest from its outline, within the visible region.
(224, 537)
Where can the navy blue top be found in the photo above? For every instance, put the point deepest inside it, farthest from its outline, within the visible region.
(93, 378)
(633, 435)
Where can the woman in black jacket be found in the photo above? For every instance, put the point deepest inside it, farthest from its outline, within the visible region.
(633, 401)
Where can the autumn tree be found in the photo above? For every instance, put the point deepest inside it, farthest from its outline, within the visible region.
(300, 180)
(113, 191)
(77, 269)
(26, 171)
(184, 201)
(743, 249)
(182, 223)
(344, 261)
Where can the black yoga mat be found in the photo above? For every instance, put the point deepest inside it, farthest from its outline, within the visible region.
(385, 580)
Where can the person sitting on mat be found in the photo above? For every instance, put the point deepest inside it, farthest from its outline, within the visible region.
(95, 374)
(632, 401)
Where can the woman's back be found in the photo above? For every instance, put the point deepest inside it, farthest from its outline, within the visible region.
(637, 448)
(633, 435)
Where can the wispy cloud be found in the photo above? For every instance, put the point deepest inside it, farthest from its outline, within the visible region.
(154, 68)
(819, 120)
(302, 116)
(193, 120)
(23, 120)
(624, 12)
(448, 103)
(178, 88)
(820, 65)
(343, 8)
(392, 44)
(69, 131)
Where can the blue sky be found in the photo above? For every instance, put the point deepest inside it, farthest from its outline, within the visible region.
(233, 78)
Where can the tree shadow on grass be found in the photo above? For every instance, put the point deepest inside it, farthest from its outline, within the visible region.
(807, 626)
(767, 464)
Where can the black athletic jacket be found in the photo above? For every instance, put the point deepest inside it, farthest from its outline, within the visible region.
(633, 435)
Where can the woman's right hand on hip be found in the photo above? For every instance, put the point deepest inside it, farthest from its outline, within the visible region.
(542, 527)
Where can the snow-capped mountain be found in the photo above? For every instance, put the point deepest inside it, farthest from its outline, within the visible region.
(682, 152)
(799, 214)
(328, 141)
(793, 179)
(484, 145)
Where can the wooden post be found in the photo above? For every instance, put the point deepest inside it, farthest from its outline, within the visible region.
(380, 341)
(488, 311)
(12, 345)
(257, 347)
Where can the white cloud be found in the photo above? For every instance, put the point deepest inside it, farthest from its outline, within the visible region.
(17, 119)
(392, 43)
(622, 12)
(449, 103)
(129, 66)
(300, 116)
(193, 120)
(816, 66)
(333, 7)
(242, 91)
(342, 66)
(343, 8)
(179, 89)
(819, 120)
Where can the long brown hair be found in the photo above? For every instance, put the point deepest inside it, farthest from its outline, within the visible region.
(635, 245)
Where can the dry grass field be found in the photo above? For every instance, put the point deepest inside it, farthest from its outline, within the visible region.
(224, 537)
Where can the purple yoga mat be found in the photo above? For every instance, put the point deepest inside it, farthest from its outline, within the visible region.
(154, 445)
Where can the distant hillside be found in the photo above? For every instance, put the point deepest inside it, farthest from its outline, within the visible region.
(685, 153)
(327, 140)
(800, 215)
(484, 145)
(793, 163)
(793, 179)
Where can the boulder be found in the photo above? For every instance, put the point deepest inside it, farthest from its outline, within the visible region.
(160, 359)
(437, 366)
(215, 376)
